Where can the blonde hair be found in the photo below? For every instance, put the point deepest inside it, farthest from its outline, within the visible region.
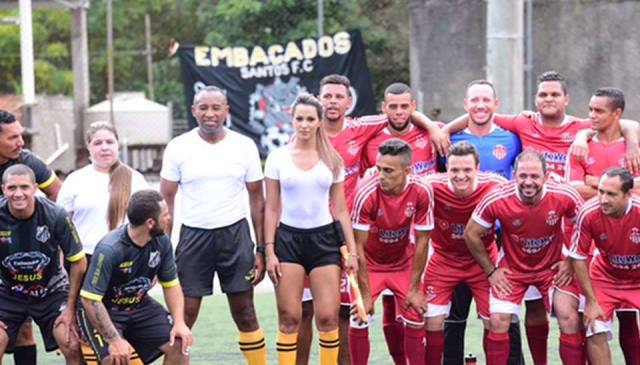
(326, 152)
(119, 179)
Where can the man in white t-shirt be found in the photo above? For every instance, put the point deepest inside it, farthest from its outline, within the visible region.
(214, 167)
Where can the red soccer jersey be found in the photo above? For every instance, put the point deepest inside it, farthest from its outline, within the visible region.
(424, 154)
(388, 218)
(601, 158)
(452, 213)
(617, 264)
(532, 234)
(350, 143)
(552, 142)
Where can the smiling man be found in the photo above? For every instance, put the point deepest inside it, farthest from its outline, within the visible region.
(456, 195)
(215, 167)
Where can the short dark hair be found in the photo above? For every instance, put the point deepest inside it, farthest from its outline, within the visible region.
(464, 148)
(552, 75)
(335, 79)
(530, 155)
(6, 118)
(206, 89)
(481, 82)
(143, 204)
(615, 96)
(18, 169)
(398, 88)
(396, 147)
(624, 175)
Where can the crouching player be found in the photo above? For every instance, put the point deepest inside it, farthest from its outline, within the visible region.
(33, 282)
(121, 273)
(456, 195)
(386, 205)
(611, 222)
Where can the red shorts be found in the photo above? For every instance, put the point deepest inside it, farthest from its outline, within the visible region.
(398, 282)
(543, 281)
(443, 275)
(613, 299)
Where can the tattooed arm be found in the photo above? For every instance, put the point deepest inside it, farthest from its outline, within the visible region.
(119, 348)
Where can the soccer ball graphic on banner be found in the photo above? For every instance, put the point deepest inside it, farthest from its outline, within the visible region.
(274, 137)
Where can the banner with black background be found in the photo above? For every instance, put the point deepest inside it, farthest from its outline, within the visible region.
(261, 82)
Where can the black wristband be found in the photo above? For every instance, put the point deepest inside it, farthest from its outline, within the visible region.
(492, 272)
(260, 249)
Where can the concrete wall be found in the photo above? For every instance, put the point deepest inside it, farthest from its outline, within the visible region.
(592, 42)
(49, 111)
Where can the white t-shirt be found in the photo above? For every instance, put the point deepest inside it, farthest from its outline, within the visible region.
(212, 177)
(85, 192)
(304, 194)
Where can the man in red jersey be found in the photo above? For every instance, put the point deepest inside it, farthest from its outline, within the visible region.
(531, 211)
(611, 281)
(456, 195)
(399, 106)
(608, 146)
(606, 150)
(387, 205)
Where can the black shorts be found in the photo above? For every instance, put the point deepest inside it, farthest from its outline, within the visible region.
(203, 252)
(15, 310)
(311, 248)
(146, 328)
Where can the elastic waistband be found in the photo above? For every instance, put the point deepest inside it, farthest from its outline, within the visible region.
(216, 228)
(327, 227)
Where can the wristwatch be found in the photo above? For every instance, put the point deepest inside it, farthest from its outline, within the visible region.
(260, 249)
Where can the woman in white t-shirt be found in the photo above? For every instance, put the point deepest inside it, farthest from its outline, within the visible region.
(96, 195)
(303, 179)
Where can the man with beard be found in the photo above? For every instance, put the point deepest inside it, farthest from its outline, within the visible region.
(34, 235)
(611, 280)
(114, 294)
(456, 194)
(531, 210)
(216, 168)
(399, 107)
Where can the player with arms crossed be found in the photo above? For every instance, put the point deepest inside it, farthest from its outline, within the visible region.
(531, 211)
(387, 204)
(456, 194)
(611, 281)
(114, 296)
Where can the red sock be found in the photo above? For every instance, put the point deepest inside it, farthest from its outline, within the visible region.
(435, 347)
(359, 345)
(497, 348)
(393, 330)
(629, 337)
(537, 337)
(572, 349)
(414, 346)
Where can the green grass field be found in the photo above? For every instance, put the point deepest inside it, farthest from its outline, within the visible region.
(216, 337)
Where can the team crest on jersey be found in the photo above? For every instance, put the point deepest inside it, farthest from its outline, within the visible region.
(517, 222)
(635, 235)
(430, 293)
(499, 152)
(552, 218)
(591, 161)
(420, 143)
(566, 137)
(379, 213)
(154, 259)
(5, 237)
(352, 148)
(444, 225)
(603, 237)
(42, 234)
(410, 210)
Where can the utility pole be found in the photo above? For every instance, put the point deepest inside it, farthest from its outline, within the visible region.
(80, 67)
(320, 18)
(110, 58)
(149, 55)
(505, 52)
(26, 53)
